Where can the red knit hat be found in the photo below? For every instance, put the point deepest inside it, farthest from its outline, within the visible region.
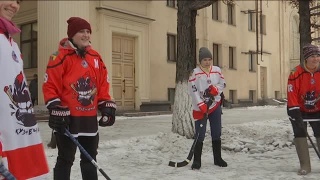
(75, 24)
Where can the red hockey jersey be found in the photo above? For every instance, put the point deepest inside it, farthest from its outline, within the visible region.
(304, 90)
(79, 83)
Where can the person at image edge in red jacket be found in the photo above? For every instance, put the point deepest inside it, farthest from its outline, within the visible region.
(303, 105)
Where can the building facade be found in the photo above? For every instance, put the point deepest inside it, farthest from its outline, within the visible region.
(137, 41)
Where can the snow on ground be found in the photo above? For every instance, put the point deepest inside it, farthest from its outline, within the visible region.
(140, 148)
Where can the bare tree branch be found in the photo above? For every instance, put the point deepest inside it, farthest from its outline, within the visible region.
(315, 7)
(199, 4)
(315, 14)
(316, 39)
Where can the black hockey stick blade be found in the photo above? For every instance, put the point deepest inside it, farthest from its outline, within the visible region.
(190, 155)
(179, 164)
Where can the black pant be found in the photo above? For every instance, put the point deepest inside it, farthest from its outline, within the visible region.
(67, 150)
(315, 125)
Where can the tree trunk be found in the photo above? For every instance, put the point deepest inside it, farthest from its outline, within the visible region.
(304, 25)
(182, 121)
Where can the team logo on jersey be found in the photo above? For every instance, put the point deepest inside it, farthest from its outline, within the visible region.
(313, 81)
(85, 90)
(310, 100)
(14, 57)
(20, 101)
(84, 63)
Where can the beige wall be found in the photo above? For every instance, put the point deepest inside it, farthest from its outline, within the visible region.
(150, 21)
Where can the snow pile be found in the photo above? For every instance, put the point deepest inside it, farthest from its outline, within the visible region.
(259, 149)
(258, 137)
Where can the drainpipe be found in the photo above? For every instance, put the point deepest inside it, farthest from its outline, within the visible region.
(280, 46)
(257, 48)
(205, 27)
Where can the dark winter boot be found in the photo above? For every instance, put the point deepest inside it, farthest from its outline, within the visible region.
(61, 173)
(88, 171)
(53, 143)
(216, 148)
(303, 155)
(197, 155)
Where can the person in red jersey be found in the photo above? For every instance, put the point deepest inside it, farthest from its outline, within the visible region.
(303, 106)
(76, 87)
(21, 148)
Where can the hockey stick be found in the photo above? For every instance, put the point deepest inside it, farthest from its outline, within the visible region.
(188, 159)
(190, 155)
(5, 173)
(314, 147)
(86, 153)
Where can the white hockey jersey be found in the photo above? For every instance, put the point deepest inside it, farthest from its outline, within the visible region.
(21, 147)
(199, 81)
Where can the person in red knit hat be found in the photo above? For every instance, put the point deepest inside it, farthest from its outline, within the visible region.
(21, 149)
(76, 87)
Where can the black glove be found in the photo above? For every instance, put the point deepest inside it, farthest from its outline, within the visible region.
(296, 116)
(59, 118)
(108, 111)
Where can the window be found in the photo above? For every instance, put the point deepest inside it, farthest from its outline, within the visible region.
(252, 21)
(28, 43)
(171, 94)
(232, 96)
(172, 3)
(231, 14)
(215, 55)
(252, 94)
(277, 94)
(252, 61)
(263, 24)
(232, 64)
(171, 47)
(215, 10)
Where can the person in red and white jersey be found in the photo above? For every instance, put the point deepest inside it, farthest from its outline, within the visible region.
(303, 95)
(21, 148)
(206, 83)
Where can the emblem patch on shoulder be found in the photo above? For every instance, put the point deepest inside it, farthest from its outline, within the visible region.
(53, 56)
(293, 71)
